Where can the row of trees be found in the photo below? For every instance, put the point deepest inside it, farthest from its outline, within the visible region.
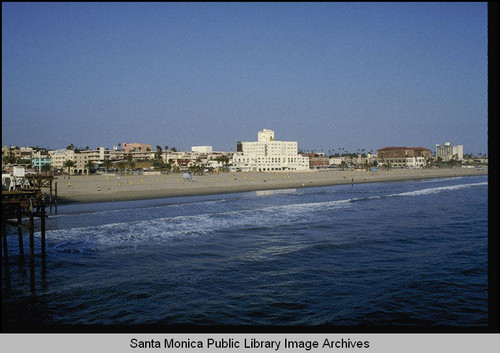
(341, 152)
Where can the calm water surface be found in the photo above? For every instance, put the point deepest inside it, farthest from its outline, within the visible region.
(397, 253)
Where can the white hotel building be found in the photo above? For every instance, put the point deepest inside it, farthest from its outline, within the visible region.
(268, 155)
(448, 152)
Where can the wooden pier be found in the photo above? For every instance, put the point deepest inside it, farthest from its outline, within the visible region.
(39, 181)
(17, 205)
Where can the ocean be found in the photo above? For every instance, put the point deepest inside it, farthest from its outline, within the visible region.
(397, 254)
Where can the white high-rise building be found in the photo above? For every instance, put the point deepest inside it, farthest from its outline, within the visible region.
(269, 155)
(448, 151)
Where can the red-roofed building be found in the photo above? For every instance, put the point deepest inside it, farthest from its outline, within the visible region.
(403, 157)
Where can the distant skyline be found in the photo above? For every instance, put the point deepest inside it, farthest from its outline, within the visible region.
(328, 75)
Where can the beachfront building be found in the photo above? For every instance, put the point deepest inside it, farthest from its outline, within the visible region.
(98, 155)
(14, 153)
(203, 156)
(317, 161)
(337, 160)
(449, 152)
(201, 149)
(136, 155)
(41, 160)
(136, 147)
(267, 154)
(18, 152)
(403, 157)
(59, 157)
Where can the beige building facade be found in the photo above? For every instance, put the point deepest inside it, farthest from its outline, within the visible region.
(267, 154)
(59, 157)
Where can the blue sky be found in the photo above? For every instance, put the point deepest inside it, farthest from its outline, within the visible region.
(328, 75)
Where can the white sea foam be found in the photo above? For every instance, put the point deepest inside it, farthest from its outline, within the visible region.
(160, 230)
(163, 230)
(439, 189)
(435, 180)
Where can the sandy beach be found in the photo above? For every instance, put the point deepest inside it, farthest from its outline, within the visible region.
(115, 187)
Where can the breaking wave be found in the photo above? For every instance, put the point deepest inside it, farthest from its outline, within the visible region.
(207, 220)
(439, 189)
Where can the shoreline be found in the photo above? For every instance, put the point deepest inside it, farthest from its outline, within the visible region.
(111, 188)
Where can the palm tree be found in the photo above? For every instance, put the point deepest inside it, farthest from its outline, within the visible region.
(69, 164)
(130, 161)
(89, 165)
(106, 164)
(158, 152)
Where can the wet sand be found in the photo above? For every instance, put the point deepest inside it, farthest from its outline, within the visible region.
(115, 187)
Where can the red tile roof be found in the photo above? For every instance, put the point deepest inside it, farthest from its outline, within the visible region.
(403, 148)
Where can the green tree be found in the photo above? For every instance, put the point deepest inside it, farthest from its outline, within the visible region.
(121, 166)
(24, 161)
(159, 152)
(160, 165)
(223, 159)
(9, 159)
(157, 165)
(130, 161)
(46, 168)
(69, 164)
(107, 164)
(89, 165)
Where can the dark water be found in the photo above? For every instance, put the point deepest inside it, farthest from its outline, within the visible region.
(399, 253)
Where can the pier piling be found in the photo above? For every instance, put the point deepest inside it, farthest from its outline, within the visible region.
(16, 204)
(20, 235)
(6, 274)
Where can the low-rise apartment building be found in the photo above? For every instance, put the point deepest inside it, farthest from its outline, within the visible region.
(136, 147)
(59, 157)
(41, 160)
(403, 157)
(317, 161)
